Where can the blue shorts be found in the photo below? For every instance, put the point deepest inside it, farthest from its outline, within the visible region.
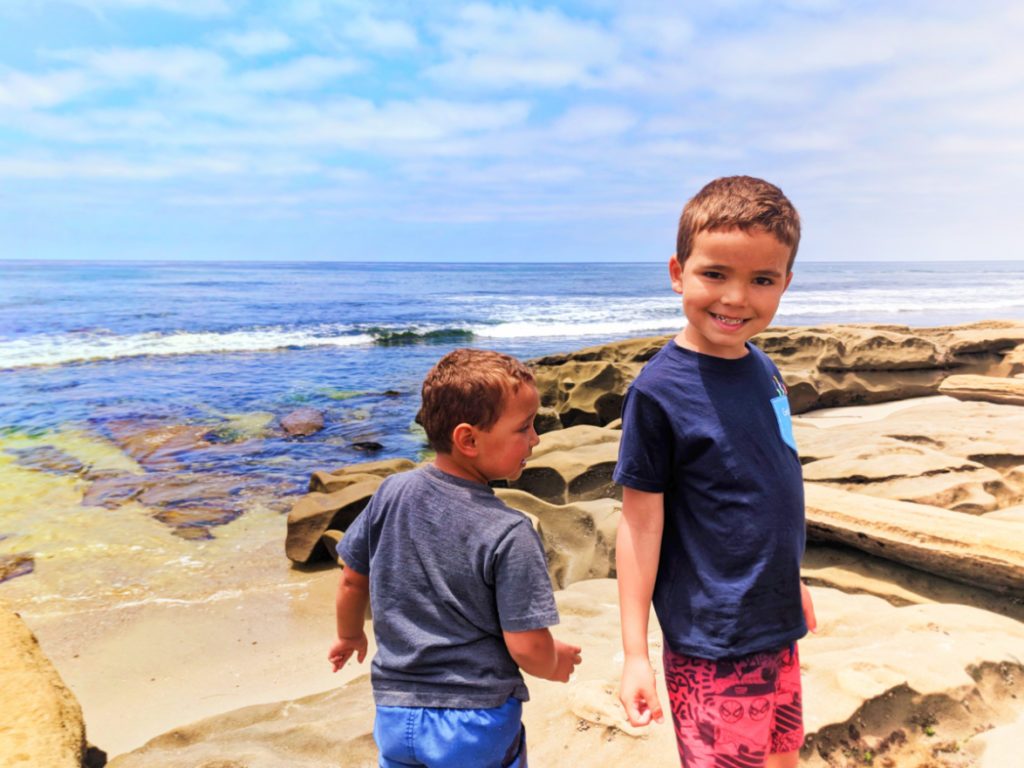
(441, 738)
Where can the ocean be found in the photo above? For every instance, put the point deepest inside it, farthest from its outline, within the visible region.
(229, 348)
(194, 343)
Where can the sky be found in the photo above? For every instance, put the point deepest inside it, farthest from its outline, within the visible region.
(302, 130)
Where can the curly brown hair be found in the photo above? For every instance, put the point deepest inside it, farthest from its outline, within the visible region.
(467, 386)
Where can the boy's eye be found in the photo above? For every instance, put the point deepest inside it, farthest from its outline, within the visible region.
(763, 281)
(713, 275)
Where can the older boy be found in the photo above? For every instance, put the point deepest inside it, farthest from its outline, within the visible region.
(457, 581)
(712, 511)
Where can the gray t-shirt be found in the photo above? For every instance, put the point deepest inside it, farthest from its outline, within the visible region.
(450, 568)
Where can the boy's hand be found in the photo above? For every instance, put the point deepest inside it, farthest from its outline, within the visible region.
(566, 658)
(637, 692)
(343, 649)
(808, 604)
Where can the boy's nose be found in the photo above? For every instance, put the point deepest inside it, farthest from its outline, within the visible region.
(734, 293)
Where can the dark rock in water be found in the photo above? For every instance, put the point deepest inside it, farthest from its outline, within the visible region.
(111, 489)
(157, 447)
(392, 393)
(195, 523)
(368, 446)
(13, 566)
(302, 422)
(47, 459)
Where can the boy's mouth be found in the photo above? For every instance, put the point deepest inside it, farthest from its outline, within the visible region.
(734, 322)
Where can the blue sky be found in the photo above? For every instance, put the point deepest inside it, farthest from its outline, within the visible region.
(569, 131)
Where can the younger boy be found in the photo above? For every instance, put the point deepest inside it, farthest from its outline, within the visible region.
(457, 581)
(712, 510)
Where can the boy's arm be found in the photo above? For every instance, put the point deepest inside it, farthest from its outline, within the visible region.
(350, 607)
(539, 654)
(808, 606)
(637, 550)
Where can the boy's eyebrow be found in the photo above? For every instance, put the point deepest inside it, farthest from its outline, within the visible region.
(726, 268)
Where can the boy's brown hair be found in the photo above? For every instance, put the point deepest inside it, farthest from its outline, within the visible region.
(739, 202)
(467, 386)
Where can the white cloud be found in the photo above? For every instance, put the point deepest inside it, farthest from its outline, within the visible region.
(382, 34)
(590, 122)
(509, 47)
(308, 73)
(184, 7)
(19, 90)
(173, 65)
(256, 42)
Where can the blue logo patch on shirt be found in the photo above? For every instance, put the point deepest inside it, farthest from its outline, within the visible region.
(781, 406)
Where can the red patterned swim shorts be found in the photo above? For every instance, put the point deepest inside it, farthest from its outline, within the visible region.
(733, 713)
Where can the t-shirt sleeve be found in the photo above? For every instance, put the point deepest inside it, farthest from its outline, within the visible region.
(645, 450)
(522, 585)
(354, 547)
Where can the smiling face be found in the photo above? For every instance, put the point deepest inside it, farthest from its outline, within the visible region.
(502, 450)
(731, 286)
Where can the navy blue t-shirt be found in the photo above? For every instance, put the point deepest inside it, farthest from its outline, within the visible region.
(714, 436)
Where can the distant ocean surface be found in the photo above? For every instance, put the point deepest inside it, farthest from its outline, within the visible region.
(83, 344)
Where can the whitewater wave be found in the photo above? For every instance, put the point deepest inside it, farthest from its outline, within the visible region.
(82, 347)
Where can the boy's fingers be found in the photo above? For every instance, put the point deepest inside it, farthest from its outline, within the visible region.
(656, 713)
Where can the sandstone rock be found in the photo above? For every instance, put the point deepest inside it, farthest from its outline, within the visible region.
(823, 366)
(578, 538)
(901, 455)
(326, 729)
(998, 748)
(585, 392)
(872, 671)
(990, 388)
(907, 472)
(1009, 514)
(313, 514)
(547, 420)
(577, 474)
(302, 422)
(42, 720)
(900, 683)
(1012, 365)
(328, 482)
(972, 550)
(638, 350)
(574, 437)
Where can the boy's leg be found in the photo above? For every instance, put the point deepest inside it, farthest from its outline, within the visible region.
(741, 712)
(787, 760)
(438, 738)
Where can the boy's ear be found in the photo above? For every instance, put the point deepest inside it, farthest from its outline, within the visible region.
(464, 439)
(675, 273)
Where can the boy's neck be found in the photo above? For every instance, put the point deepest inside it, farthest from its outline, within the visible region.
(681, 341)
(447, 463)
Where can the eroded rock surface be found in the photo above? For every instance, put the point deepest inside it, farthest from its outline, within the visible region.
(823, 366)
(41, 721)
(901, 682)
